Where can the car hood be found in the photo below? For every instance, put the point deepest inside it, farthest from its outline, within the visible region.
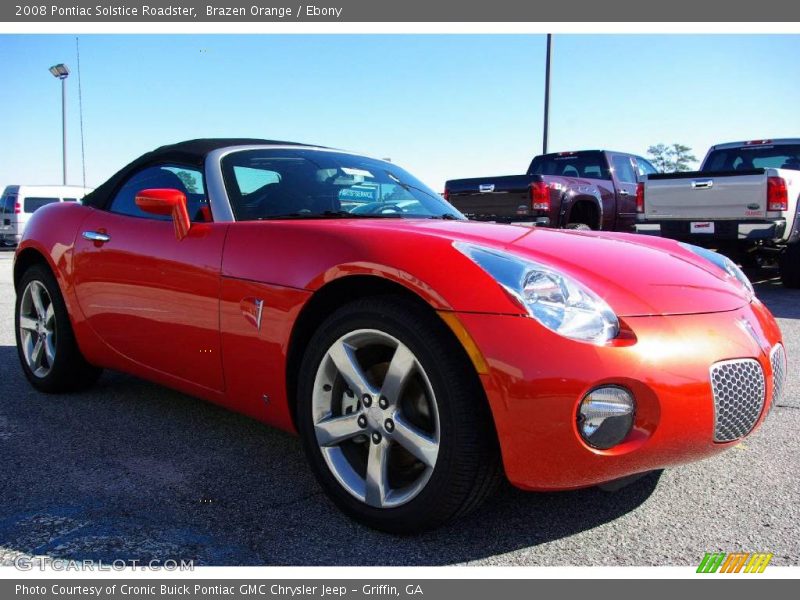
(636, 275)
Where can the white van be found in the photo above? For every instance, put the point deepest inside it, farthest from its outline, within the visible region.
(19, 202)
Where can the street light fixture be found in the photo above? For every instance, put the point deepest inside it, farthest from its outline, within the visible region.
(61, 71)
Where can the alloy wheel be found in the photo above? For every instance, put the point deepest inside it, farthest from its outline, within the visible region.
(375, 417)
(37, 328)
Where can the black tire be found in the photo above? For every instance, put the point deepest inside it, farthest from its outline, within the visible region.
(468, 467)
(789, 265)
(69, 371)
(578, 226)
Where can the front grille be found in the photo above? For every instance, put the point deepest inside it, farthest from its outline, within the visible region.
(778, 360)
(739, 390)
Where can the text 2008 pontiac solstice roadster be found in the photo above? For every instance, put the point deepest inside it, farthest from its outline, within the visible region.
(418, 355)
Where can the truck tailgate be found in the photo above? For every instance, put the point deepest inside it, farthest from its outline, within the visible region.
(706, 196)
(500, 198)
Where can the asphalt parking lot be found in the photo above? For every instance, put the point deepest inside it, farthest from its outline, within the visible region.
(133, 471)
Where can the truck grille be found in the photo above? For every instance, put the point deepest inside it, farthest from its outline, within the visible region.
(778, 360)
(739, 390)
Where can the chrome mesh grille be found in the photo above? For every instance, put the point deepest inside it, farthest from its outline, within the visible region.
(778, 360)
(739, 389)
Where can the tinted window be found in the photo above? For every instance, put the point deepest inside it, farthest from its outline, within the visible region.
(783, 156)
(188, 180)
(70, 199)
(299, 183)
(623, 168)
(590, 165)
(7, 204)
(33, 203)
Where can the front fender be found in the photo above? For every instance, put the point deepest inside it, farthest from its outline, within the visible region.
(313, 254)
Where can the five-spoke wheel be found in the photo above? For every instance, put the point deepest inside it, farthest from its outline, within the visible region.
(375, 418)
(393, 417)
(37, 328)
(48, 352)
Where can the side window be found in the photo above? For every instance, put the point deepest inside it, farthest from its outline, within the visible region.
(644, 167)
(623, 168)
(189, 180)
(249, 180)
(32, 204)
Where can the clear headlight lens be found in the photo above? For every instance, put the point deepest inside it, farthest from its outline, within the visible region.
(723, 262)
(555, 300)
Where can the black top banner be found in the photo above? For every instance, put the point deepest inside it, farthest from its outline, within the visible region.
(406, 11)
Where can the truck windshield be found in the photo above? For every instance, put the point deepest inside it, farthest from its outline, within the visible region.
(778, 156)
(317, 184)
(589, 165)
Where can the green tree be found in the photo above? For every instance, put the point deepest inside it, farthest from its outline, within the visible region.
(671, 158)
(189, 181)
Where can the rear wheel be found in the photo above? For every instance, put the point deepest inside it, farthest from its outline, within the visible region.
(789, 264)
(393, 419)
(46, 345)
(578, 226)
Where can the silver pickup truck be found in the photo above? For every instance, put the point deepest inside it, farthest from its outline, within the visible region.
(743, 201)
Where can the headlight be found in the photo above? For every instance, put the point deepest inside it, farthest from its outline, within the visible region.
(556, 301)
(605, 416)
(723, 262)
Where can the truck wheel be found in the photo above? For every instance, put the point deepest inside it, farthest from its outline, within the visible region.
(48, 352)
(393, 419)
(789, 264)
(578, 226)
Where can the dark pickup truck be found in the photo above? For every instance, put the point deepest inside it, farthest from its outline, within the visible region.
(588, 189)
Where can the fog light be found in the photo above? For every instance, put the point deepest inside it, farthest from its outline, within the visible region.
(605, 416)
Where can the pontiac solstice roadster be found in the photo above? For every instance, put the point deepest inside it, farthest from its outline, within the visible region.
(419, 356)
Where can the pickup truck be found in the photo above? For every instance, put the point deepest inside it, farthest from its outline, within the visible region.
(742, 202)
(587, 189)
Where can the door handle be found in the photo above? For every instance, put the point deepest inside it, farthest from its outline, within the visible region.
(624, 193)
(702, 184)
(96, 236)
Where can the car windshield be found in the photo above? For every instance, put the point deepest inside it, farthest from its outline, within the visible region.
(272, 183)
(761, 156)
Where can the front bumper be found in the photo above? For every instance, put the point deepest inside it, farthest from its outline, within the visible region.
(536, 380)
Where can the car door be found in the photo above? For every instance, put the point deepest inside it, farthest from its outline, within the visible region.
(152, 298)
(624, 173)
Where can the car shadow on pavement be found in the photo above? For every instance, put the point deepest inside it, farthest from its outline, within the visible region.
(135, 472)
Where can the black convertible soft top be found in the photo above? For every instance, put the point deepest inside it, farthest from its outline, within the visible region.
(189, 153)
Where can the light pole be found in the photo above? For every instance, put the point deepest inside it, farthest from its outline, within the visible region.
(61, 71)
(547, 92)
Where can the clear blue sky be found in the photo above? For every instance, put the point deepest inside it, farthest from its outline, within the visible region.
(442, 106)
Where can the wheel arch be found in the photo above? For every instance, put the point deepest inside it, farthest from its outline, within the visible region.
(25, 259)
(585, 209)
(343, 290)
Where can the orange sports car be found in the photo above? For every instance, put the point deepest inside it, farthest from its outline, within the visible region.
(419, 355)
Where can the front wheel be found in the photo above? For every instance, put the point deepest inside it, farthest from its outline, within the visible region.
(393, 418)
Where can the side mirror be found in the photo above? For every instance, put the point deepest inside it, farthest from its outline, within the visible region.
(167, 202)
